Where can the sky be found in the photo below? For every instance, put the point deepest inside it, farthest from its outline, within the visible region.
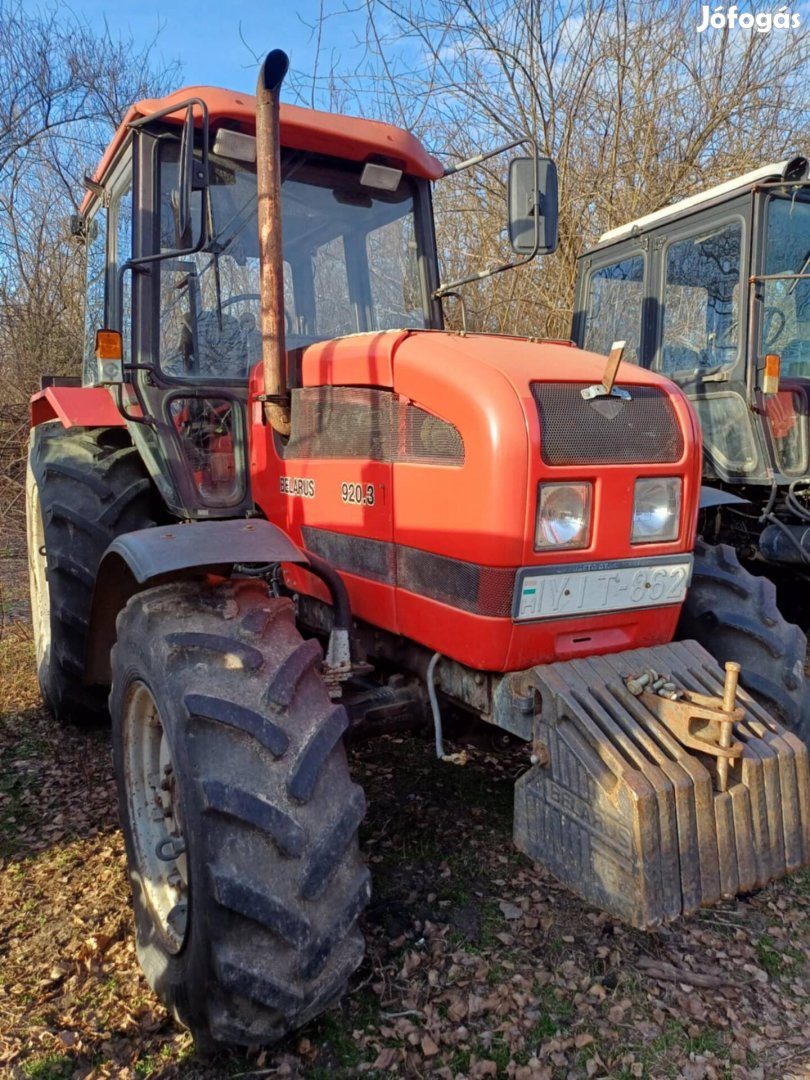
(204, 35)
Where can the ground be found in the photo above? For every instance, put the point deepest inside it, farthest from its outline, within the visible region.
(479, 964)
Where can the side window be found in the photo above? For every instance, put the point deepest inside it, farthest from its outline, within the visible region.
(393, 273)
(701, 328)
(210, 309)
(94, 315)
(122, 216)
(615, 298)
(334, 313)
(785, 314)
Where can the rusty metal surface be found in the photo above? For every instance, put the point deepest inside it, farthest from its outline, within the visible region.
(635, 823)
(268, 178)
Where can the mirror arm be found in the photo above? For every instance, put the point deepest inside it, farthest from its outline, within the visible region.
(451, 286)
(451, 169)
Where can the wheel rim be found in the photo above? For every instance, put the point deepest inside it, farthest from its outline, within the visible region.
(38, 572)
(160, 863)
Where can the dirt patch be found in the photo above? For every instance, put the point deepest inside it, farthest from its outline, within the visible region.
(478, 963)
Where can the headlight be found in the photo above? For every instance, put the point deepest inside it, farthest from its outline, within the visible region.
(656, 510)
(563, 516)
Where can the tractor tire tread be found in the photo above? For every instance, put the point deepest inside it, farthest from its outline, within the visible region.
(92, 486)
(733, 614)
(274, 945)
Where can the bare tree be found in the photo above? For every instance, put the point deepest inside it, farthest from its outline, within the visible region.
(636, 107)
(64, 88)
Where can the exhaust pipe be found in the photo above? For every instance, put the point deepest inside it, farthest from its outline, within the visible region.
(268, 177)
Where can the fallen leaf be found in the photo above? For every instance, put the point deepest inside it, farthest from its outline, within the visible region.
(386, 1058)
(429, 1047)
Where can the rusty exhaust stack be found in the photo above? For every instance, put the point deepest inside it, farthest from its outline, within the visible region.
(268, 177)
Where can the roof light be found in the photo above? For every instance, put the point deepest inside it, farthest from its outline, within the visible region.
(235, 145)
(796, 169)
(380, 176)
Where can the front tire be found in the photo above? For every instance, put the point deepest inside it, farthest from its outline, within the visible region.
(230, 762)
(734, 616)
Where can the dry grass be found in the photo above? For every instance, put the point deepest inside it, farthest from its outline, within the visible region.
(479, 964)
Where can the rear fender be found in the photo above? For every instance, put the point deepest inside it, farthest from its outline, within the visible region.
(140, 560)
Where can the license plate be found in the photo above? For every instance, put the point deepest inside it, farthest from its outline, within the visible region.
(561, 592)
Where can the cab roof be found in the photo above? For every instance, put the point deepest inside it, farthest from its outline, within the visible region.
(348, 137)
(739, 183)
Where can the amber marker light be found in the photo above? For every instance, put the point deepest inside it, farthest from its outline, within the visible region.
(108, 345)
(109, 358)
(770, 380)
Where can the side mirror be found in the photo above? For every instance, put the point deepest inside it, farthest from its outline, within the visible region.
(192, 176)
(532, 207)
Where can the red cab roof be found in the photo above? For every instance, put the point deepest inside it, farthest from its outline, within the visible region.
(346, 137)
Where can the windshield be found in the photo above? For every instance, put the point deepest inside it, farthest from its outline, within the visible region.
(785, 321)
(350, 264)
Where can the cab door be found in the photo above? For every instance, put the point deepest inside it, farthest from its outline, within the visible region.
(699, 276)
(613, 301)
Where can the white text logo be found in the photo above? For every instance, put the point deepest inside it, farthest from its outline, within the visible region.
(761, 21)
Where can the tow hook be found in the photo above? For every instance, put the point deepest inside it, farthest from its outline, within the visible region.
(698, 721)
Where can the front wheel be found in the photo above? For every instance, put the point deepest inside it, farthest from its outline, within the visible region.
(238, 812)
(734, 616)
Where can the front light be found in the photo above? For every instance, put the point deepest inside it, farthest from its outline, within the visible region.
(656, 510)
(563, 516)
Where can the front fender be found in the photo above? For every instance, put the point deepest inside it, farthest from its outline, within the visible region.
(711, 496)
(139, 560)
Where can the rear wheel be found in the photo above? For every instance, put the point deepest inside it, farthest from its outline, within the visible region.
(734, 616)
(84, 487)
(238, 812)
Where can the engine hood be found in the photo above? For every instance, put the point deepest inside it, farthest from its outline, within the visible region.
(381, 359)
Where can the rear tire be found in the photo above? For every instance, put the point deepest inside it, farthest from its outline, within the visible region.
(734, 616)
(215, 683)
(84, 487)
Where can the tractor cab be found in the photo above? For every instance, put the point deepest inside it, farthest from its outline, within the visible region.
(172, 226)
(714, 292)
(173, 268)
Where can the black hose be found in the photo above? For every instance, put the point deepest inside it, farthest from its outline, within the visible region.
(334, 583)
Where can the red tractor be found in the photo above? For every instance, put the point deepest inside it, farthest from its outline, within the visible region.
(283, 503)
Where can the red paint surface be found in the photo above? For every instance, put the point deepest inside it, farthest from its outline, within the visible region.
(348, 137)
(75, 406)
(483, 511)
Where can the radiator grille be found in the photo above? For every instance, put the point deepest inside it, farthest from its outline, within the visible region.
(482, 590)
(606, 431)
(373, 559)
(356, 422)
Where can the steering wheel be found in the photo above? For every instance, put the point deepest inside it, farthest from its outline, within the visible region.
(773, 323)
(235, 299)
(288, 324)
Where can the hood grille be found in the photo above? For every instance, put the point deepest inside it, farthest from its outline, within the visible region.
(606, 431)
